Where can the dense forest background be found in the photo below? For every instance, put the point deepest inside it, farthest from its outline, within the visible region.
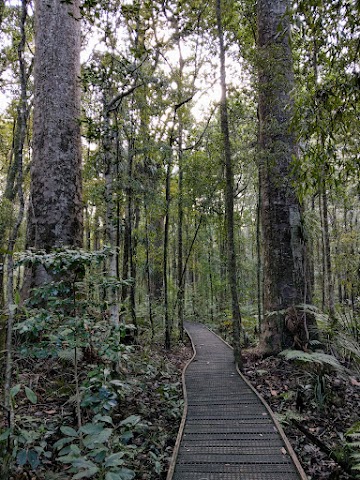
(209, 171)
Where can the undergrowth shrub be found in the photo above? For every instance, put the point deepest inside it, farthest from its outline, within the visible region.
(73, 369)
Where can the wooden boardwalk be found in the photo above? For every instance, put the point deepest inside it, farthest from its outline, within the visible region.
(227, 432)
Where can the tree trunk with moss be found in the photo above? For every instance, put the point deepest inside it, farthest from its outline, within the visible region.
(55, 208)
(284, 248)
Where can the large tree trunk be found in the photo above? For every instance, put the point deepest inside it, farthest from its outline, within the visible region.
(282, 231)
(55, 210)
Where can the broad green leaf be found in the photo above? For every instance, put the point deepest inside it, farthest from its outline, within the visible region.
(5, 435)
(103, 418)
(15, 390)
(33, 459)
(91, 428)
(122, 474)
(63, 441)
(68, 458)
(126, 437)
(86, 474)
(64, 451)
(114, 460)
(132, 420)
(75, 450)
(70, 432)
(102, 437)
(83, 462)
(31, 395)
(21, 457)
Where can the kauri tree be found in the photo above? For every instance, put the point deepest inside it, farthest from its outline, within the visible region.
(55, 208)
(283, 238)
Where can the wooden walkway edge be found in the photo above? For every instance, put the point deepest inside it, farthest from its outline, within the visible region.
(227, 432)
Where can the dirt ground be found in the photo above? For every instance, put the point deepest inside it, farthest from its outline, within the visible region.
(316, 409)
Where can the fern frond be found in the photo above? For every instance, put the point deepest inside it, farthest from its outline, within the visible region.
(314, 357)
(297, 355)
(70, 355)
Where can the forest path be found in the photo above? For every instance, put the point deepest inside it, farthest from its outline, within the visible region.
(227, 432)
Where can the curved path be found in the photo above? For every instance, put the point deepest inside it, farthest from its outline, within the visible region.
(227, 432)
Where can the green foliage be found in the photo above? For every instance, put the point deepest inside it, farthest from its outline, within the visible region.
(316, 366)
(97, 373)
(318, 360)
(96, 448)
(353, 445)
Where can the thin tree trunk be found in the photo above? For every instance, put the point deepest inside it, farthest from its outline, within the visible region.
(18, 156)
(165, 259)
(211, 283)
(133, 246)
(327, 253)
(323, 256)
(259, 262)
(148, 277)
(229, 194)
(180, 277)
(111, 234)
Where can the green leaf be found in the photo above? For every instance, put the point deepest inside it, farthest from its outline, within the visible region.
(102, 437)
(15, 390)
(83, 462)
(131, 421)
(103, 418)
(21, 457)
(122, 474)
(114, 460)
(68, 458)
(86, 474)
(33, 459)
(70, 432)
(63, 441)
(5, 435)
(31, 396)
(126, 437)
(91, 428)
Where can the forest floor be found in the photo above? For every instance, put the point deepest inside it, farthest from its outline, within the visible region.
(145, 419)
(315, 418)
(316, 408)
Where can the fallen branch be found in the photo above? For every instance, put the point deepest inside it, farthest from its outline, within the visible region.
(324, 448)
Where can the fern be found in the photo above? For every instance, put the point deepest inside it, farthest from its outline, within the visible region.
(71, 355)
(316, 358)
(353, 444)
(289, 415)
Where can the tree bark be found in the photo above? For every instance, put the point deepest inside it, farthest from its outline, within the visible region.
(55, 210)
(327, 253)
(165, 259)
(18, 156)
(111, 222)
(283, 241)
(229, 193)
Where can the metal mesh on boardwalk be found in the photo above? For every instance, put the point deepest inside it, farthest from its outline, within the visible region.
(228, 434)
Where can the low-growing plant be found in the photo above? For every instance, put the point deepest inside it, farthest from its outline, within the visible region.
(353, 445)
(96, 448)
(316, 366)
